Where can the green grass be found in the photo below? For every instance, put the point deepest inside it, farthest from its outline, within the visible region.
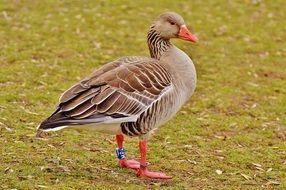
(235, 122)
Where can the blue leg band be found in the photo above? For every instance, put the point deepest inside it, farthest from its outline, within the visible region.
(121, 153)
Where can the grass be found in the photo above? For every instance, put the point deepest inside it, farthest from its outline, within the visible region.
(230, 135)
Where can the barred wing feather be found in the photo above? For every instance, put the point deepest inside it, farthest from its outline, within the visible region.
(118, 92)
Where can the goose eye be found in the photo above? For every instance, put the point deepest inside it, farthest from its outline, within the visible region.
(172, 23)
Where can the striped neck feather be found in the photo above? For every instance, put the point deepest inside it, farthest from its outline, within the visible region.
(157, 45)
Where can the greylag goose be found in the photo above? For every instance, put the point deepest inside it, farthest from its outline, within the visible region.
(133, 95)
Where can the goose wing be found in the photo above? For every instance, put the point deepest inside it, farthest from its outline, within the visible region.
(117, 92)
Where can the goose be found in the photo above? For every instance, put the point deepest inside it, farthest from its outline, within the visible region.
(132, 96)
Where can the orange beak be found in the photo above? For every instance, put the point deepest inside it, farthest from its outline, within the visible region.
(185, 34)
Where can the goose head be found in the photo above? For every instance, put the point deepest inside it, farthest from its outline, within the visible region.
(171, 25)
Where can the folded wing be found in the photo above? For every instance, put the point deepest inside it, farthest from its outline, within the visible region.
(118, 92)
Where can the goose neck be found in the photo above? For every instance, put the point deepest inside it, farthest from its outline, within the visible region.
(157, 45)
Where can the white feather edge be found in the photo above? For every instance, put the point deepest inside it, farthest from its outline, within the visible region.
(55, 129)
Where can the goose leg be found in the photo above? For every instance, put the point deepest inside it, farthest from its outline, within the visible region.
(121, 155)
(143, 171)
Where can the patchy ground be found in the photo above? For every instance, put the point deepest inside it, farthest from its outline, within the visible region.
(231, 134)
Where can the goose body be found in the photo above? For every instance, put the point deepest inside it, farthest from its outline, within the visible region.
(133, 95)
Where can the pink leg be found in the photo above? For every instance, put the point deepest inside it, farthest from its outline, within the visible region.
(123, 162)
(143, 171)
